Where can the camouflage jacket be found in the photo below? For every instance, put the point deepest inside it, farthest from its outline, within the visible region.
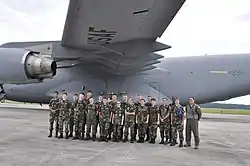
(153, 113)
(80, 108)
(64, 108)
(104, 112)
(164, 111)
(73, 107)
(54, 104)
(91, 111)
(142, 114)
(177, 113)
(118, 113)
(112, 106)
(131, 108)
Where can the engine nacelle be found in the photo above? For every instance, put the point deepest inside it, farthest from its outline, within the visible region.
(21, 66)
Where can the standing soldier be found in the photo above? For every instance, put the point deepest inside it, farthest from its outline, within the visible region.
(130, 121)
(53, 115)
(112, 105)
(154, 121)
(98, 105)
(148, 104)
(117, 121)
(88, 96)
(71, 114)
(80, 118)
(164, 121)
(142, 118)
(91, 119)
(171, 106)
(64, 107)
(177, 122)
(123, 106)
(193, 114)
(105, 118)
(137, 104)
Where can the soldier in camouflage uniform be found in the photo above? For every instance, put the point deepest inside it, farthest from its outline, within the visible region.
(64, 107)
(130, 121)
(53, 115)
(80, 118)
(124, 104)
(177, 118)
(148, 104)
(137, 104)
(171, 106)
(71, 114)
(193, 115)
(154, 121)
(98, 105)
(91, 113)
(164, 121)
(142, 117)
(117, 121)
(112, 105)
(105, 119)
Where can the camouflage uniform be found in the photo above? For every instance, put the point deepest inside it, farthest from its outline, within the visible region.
(165, 125)
(91, 121)
(71, 118)
(80, 120)
(123, 106)
(104, 120)
(112, 106)
(147, 131)
(64, 107)
(153, 113)
(98, 105)
(53, 115)
(130, 122)
(176, 124)
(137, 104)
(142, 116)
(117, 123)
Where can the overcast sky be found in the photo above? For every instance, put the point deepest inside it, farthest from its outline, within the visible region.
(201, 26)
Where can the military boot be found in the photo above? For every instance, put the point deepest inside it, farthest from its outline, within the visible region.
(114, 139)
(106, 139)
(101, 139)
(151, 141)
(132, 140)
(167, 141)
(187, 145)
(162, 141)
(125, 139)
(93, 137)
(172, 143)
(175, 141)
(147, 139)
(140, 140)
(50, 134)
(56, 134)
(61, 136)
(81, 135)
(181, 144)
(76, 136)
(87, 137)
(70, 134)
(67, 136)
(109, 138)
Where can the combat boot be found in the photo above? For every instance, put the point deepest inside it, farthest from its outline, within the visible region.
(172, 143)
(175, 141)
(56, 134)
(109, 138)
(132, 140)
(101, 139)
(70, 134)
(61, 136)
(151, 141)
(106, 139)
(93, 137)
(114, 139)
(162, 141)
(140, 140)
(167, 141)
(125, 139)
(87, 137)
(50, 134)
(76, 136)
(81, 136)
(67, 136)
(147, 138)
(181, 144)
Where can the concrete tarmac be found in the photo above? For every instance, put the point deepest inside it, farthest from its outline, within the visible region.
(225, 140)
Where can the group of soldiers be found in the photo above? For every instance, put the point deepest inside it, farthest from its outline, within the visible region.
(116, 118)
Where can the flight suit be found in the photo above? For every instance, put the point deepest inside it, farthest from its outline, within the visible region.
(53, 115)
(177, 126)
(104, 113)
(71, 118)
(193, 115)
(64, 109)
(130, 123)
(118, 115)
(91, 121)
(153, 113)
(165, 124)
(80, 120)
(148, 104)
(142, 121)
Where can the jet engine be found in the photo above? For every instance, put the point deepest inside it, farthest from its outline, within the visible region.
(20, 66)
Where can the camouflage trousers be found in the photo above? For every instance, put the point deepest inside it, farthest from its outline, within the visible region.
(64, 123)
(177, 128)
(71, 124)
(91, 125)
(117, 131)
(142, 128)
(98, 123)
(80, 122)
(153, 131)
(104, 128)
(53, 117)
(165, 130)
(130, 125)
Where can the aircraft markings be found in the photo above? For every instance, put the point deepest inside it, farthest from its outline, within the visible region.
(100, 37)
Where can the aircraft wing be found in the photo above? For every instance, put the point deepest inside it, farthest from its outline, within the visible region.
(92, 23)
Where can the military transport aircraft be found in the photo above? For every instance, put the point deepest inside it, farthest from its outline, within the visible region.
(109, 46)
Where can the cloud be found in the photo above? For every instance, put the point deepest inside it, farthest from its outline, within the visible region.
(201, 26)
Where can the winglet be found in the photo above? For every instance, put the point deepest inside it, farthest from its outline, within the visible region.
(160, 46)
